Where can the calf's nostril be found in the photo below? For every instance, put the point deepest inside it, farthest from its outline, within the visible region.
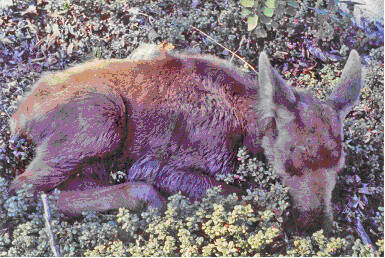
(291, 169)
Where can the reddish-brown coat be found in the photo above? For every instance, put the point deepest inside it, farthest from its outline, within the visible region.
(174, 122)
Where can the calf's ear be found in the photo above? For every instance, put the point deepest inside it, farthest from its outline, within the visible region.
(274, 91)
(347, 92)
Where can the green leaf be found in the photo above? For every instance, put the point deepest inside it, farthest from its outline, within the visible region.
(279, 10)
(291, 10)
(268, 11)
(265, 20)
(252, 22)
(245, 12)
(261, 33)
(270, 3)
(293, 4)
(247, 3)
(274, 24)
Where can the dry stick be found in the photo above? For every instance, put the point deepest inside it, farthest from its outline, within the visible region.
(364, 237)
(7, 113)
(240, 45)
(47, 217)
(243, 60)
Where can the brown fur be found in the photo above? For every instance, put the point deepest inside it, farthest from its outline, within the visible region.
(177, 120)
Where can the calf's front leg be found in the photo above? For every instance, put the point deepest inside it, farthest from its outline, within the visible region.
(189, 182)
(131, 195)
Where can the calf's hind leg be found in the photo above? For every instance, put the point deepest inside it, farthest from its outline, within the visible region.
(87, 129)
(78, 137)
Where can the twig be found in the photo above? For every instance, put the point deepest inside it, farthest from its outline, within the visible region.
(364, 237)
(7, 113)
(243, 60)
(240, 45)
(47, 217)
(135, 11)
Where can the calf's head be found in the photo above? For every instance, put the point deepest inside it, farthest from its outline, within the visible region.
(303, 139)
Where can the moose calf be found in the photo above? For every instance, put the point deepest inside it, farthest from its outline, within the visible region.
(178, 119)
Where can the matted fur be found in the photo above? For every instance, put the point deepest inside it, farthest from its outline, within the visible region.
(178, 120)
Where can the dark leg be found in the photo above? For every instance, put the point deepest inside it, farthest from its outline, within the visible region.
(190, 183)
(83, 193)
(133, 195)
